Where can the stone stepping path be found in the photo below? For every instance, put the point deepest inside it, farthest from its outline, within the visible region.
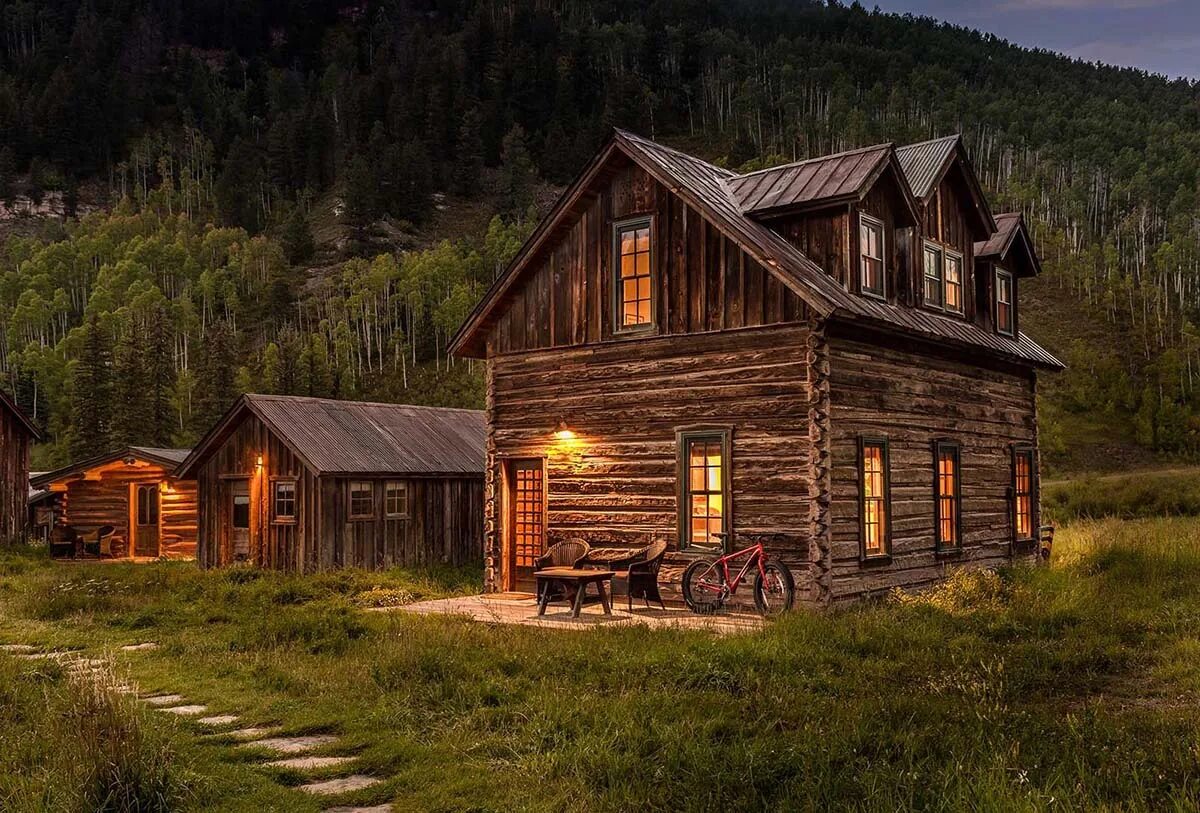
(185, 711)
(343, 784)
(15, 648)
(139, 647)
(164, 700)
(309, 763)
(219, 720)
(249, 733)
(291, 745)
(384, 808)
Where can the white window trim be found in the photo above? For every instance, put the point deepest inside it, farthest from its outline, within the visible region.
(865, 219)
(403, 484)
(940, 250)
(962, 281)
(1012, 305)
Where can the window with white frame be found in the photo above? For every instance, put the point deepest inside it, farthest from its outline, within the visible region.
(871, 248)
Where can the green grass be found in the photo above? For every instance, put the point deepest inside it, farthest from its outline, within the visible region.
(1171, 493)
(1064, 688)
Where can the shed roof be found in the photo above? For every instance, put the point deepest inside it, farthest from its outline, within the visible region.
(812, 183)
(23, 419)
(925, 162)
(1010, 231)
(357, 437)
(167, 458)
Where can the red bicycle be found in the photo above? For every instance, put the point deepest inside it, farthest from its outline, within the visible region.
(708, 584)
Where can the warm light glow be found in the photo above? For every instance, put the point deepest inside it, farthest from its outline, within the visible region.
(164, 487)
(563, 432)
(258, 462)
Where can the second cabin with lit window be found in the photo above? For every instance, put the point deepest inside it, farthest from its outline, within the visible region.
(310, 484)
(827, 352)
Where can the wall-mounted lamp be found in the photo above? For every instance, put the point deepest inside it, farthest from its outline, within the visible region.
(563, 432)
(164, 487)
(258, 461)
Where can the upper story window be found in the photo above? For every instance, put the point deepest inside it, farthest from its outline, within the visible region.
(873, 490)
(1004, 302)
(872, 247)
(943, 278)
(634, 278)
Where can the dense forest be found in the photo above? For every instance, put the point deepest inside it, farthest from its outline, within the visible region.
(280, 185)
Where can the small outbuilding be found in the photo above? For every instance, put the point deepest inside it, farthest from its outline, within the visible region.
(308, 484)
(127, 499)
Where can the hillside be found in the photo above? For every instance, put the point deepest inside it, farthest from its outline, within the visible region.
(281, 189)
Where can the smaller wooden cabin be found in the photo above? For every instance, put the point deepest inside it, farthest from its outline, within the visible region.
(17, 434)
(309, 484)
(134, 490)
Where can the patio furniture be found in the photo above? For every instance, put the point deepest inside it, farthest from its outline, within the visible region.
(639, 572)
(570, 553)
(574, 582)
(102, 547)
(63, 542)
(1046, 542)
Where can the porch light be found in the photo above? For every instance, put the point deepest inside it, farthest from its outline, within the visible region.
(563, 432)
(258, 461)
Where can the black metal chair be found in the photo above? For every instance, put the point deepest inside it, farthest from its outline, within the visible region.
(640, 575)
(569, 553)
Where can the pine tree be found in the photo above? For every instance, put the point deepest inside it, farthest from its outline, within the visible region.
(270, 382)
(414, 182)
(297, 237)
(215, 383)
(131, 405)
(468, 167)
(8, 172)
(91, 386)
(517, 176)
(360, 206)
(159, 379)
(320, 376)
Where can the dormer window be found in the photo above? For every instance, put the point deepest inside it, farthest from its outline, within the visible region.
(871, 247)
(1004, 302)
(633, 287)
(943, 278)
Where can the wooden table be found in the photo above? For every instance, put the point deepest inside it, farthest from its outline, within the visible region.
(572, 578)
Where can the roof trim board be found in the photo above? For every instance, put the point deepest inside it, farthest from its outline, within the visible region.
(146, 453)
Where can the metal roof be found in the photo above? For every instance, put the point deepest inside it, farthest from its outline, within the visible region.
(1010, 229)
(357, 437)
(812, 183)
(167, 458)
(924, 163)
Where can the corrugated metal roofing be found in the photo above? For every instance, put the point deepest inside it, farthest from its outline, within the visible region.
(923, 163)
(173, 455)
(1007, 226)
(357, 437)
(167, 458)
(806, 184)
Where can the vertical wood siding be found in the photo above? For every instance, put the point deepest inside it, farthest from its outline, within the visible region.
(14, 476)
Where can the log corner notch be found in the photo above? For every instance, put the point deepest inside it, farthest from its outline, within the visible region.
(820, 462)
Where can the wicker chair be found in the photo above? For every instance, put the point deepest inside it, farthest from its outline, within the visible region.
(102, 547)
(570, 553)
(640, 574)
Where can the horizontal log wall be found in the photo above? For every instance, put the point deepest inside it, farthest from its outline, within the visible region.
(14, 476)
(615, 483)
(912, 400)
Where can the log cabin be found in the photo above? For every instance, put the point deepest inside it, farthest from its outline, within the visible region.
(134, 491)
(825, 352)
(17, 435)
(307, 484)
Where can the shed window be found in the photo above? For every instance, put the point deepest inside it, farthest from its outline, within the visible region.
(285, 501)
(362, 499)
(873, 493)
(705, 503)
(1023, 493)
(634, 280)
(1004, 302)
(241, 511)
(871, 247)
(395, 499)
(948, 496)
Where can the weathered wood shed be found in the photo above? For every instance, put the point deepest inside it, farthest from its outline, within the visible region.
(17, 434)
(134, 490)
(811, 352)
(308, 484)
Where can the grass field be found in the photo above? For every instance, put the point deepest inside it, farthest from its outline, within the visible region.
(1067, 688)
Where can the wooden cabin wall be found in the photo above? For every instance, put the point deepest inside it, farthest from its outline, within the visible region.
(444, 525)
(566, 298)
(912, 399)
(14, 476)
(615, 483)
(945, 220)
(100, 496)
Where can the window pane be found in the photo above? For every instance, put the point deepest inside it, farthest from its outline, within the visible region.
(627, 265)
(643, 239)
(628, 242)
(241, 511)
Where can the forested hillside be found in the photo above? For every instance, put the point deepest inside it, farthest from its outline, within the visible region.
(292, 190)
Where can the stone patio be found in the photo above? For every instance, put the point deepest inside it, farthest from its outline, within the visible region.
(521, 608)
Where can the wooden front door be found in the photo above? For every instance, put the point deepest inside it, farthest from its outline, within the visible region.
(145, 519)
(526, 520)
(239, 519)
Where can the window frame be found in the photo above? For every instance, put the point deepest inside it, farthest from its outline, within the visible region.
(285, 519)
(152, 504)
(619, 227)
(350, 513)
(940, 544)
(947, 254)
(999, 274)
(1023, 450)
(930, 247)
(234, 496)
(865, 220)
(683, 440)
(387, 487)
(885, 549)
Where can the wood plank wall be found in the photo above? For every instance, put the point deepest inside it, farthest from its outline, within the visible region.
(615, 483)
(14, 476)
(912, 399)
(945, 221)
(100, 496)
(445, 522)
(566, 299)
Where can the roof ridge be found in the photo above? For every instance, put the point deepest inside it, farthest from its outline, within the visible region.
(814, 159)
(255, 396)
(643, 140)
(928, 141)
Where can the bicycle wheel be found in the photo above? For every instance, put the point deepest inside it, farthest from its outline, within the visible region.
(776, 593)
(703, 586)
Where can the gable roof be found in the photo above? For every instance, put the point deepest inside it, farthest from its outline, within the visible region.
(710, 190)
(18, 413)
(357, 437)
(927, 162)
(167, 458)
(819, 182)
(1010, 231)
